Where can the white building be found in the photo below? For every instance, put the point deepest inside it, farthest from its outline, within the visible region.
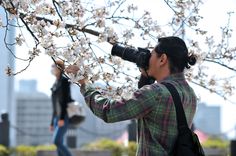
(33, 115)
(7, 104)
(34, 110)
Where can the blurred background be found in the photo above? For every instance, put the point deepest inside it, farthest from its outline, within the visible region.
(25, 105)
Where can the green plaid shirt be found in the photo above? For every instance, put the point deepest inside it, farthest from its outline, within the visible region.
(153, 107)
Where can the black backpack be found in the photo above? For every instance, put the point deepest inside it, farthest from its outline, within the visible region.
(187, 143)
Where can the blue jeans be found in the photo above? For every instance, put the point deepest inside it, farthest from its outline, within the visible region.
(58, 137)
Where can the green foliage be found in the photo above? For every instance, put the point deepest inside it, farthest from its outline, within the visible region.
(3, 151)
(24, 150)
(45, 148)
(132, 148)
(116, 148)
(106, 144)
(214, 142)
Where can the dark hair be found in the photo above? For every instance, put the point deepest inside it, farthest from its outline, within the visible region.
(177, 53)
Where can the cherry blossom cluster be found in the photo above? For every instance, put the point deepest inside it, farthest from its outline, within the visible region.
(82, 32)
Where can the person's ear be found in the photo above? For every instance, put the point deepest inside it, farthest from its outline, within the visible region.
(163, 59)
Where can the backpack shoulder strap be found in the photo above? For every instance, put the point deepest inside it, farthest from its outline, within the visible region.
(181, 118)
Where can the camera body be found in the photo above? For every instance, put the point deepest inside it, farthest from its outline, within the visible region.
(139, 56)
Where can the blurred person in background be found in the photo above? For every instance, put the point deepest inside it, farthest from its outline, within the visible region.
(61, 96)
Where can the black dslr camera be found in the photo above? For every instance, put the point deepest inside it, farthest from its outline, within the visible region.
(139, 56)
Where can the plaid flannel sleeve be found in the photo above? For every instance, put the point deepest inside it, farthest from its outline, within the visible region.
(110, 110)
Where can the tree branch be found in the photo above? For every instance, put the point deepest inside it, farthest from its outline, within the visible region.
(221, 64)
(213, 91)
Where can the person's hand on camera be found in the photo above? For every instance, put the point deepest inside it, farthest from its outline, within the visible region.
(144, 79)
(143, 72)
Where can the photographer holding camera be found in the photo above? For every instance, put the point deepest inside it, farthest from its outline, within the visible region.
(152, 104)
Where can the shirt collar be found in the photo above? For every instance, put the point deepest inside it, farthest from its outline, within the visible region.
(175, 77)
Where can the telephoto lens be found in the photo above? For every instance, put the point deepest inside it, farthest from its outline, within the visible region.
(139, 56)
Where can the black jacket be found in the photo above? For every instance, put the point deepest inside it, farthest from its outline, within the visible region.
(60, 97)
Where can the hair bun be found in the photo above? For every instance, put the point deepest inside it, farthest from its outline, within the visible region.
(192, 59)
